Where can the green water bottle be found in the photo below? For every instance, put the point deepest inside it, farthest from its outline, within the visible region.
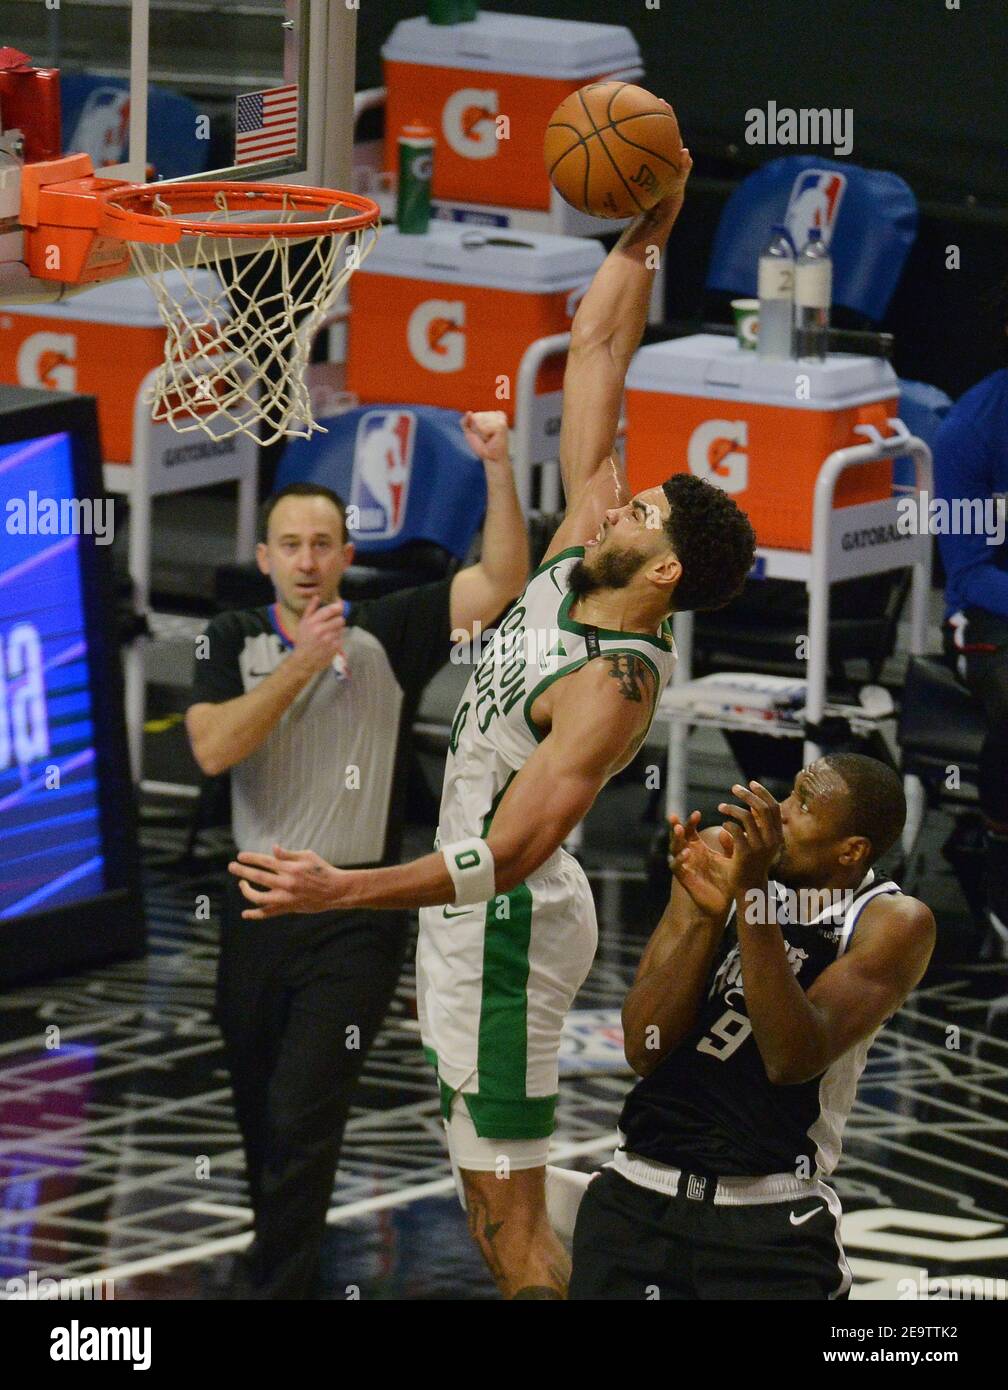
(451, 11)
(416, 166)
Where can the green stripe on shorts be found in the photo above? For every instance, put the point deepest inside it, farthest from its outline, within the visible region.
(502, 1054)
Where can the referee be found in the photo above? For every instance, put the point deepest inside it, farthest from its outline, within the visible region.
(309, 702)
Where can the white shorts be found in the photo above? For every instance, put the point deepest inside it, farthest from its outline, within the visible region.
(564, 1188)
(467, 1150)
(494, 983)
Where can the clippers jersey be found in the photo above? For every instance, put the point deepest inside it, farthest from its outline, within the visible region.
(710, 1107)
(493, 734)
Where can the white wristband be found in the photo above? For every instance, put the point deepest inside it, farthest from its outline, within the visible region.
(471, 866)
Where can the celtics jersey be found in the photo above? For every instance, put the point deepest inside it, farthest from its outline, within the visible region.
(537, 643)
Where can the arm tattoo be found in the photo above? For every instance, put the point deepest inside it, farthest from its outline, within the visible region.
(643, 227)
(631, 673)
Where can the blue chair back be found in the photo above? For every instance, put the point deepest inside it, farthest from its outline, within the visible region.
(922, 408)
(407, 471)
(868, 217)
(95, 116)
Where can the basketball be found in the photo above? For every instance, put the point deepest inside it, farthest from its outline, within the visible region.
(612, 149)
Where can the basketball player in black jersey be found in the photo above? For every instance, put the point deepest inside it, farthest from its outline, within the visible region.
(750, 1020)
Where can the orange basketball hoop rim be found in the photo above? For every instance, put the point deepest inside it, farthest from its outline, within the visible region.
(78, 227)
(219, 259)
(160, 213)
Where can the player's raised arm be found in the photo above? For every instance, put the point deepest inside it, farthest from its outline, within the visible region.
(662, 1004)
(481, 592)
(606, 333)
(599, 718)
(800, 1033)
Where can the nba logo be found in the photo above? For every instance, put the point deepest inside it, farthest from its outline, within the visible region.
(815, 202)
(383, 461)
(103, 127)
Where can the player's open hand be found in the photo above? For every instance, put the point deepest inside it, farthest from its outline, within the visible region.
(486, 433)
(289, 881)
(757, 832)
(703, 869)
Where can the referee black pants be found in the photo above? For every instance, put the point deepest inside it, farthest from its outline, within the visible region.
(633, 1243)
(299, 1002)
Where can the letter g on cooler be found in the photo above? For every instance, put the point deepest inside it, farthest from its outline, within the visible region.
(468, 122)
(48, 360)
(435, 334)
(716, 452)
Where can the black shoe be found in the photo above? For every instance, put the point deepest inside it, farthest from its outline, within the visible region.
(240, 1284)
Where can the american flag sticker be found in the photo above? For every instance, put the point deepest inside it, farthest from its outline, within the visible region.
(266, 124)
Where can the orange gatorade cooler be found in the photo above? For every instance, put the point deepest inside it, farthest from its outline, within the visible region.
(445, 318)
(488, 88)
(759, 429)
(101, 342)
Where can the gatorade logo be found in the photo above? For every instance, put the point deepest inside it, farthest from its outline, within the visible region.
(468, 123)
(435, 334)
(49, 360)
(717, 453)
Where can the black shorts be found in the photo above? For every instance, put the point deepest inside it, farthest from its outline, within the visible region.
(633, 1243)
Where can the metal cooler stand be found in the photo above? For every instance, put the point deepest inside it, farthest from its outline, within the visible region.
(825, 564)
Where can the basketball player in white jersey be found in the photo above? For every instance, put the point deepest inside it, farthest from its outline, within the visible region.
(561, 702)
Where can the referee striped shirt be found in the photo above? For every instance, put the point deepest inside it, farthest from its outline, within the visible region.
(331, 775)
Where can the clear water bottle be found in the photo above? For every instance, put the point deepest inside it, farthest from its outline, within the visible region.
(776, 296)
(813, 295)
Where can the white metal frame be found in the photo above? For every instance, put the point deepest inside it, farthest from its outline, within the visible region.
(135, 168)
(820, 567)
(525, 452)
(327, 109)
(333, 68)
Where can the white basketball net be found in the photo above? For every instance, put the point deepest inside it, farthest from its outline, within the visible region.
(238, 340)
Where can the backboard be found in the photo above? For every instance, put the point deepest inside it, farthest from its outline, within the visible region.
(176, 89)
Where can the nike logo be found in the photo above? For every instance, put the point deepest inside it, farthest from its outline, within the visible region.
(461, 913)
(800, 1220)
(259, 675)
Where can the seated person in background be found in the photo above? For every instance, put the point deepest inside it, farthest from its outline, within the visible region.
(971, 462)
(779, 957)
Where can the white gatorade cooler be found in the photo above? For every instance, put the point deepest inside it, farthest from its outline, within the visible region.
(445, 318)
(759, 429)
(487, 88)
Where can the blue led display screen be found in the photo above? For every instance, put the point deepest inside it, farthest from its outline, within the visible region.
(50, 833)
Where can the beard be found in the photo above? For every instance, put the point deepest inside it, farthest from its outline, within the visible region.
(613, 570)
(792, 875)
